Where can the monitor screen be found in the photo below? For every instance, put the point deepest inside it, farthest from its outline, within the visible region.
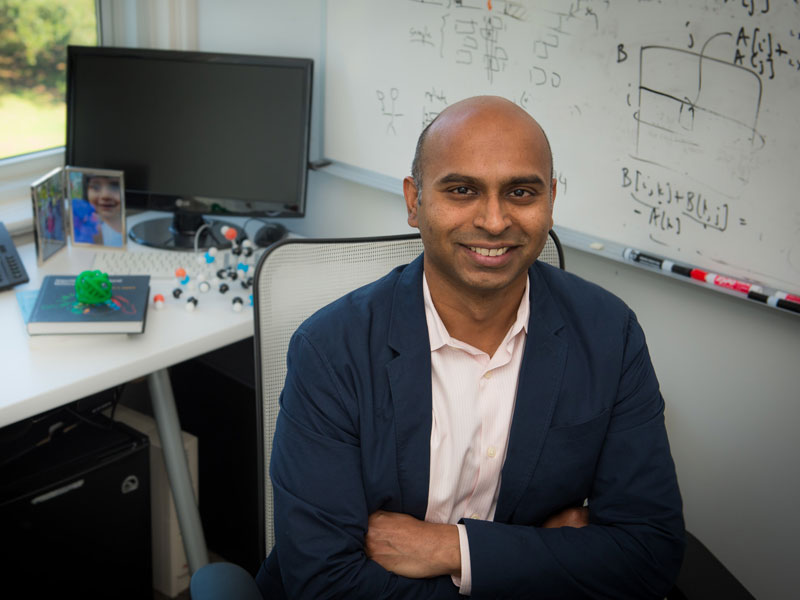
(195, 133)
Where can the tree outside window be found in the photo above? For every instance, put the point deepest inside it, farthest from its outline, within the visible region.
(34, 35)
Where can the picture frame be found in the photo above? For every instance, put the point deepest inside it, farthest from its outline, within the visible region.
(96, 200)
(49, 215)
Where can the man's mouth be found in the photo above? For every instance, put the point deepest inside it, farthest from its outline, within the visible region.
(489, 251)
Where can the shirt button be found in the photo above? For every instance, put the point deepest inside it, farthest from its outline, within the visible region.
(491, 452)
(487, 375)
(474, 516)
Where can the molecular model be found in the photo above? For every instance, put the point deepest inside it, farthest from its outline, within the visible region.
(221, 271)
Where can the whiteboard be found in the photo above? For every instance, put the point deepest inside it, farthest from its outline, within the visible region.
(675, 124)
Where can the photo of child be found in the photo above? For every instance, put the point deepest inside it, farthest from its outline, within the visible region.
(50, 232)
(97, 207)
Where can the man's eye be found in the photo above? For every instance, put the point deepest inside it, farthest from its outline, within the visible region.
(461, 189)
(521, 193)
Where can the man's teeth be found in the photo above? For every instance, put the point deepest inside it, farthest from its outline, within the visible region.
(489, 251)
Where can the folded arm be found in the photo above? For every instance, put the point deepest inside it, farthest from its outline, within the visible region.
(631, 548)
(627, 543)
(321, 509)
(412, 548)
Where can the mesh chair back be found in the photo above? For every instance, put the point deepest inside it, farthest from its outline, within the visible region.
(295, 278)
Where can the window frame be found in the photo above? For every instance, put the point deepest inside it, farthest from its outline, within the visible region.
(146, 24)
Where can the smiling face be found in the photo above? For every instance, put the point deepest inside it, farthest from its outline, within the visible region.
(486, 204)
(104, 195)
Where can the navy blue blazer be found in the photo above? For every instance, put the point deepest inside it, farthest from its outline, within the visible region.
(353, 436)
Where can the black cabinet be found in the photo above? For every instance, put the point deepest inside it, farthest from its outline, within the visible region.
(75, 508)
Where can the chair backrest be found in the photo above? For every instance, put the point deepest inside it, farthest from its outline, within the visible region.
(296, 277)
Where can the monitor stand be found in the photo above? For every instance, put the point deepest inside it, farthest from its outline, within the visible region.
(179, 231)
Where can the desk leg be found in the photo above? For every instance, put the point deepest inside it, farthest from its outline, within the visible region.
(166, 416)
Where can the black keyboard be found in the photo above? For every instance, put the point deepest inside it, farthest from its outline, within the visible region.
(12, 271)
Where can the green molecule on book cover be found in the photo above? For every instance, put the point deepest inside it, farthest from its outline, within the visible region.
(92, 287)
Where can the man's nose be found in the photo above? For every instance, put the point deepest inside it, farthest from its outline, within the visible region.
(492, 215)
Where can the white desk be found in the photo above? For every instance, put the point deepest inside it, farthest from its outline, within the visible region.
(38, 373)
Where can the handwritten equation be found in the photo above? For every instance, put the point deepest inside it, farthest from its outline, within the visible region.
(763, 51)
(668, 206)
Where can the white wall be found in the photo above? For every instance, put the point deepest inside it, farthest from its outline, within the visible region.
(729, 370)
(729, 374)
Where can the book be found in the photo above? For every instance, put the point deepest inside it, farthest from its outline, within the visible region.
(57, 310)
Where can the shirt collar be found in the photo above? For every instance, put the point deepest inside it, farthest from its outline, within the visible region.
(437, 332)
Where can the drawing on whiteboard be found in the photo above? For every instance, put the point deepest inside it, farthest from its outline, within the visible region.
(475, 38)
(763, 50)
(541, 47)
(464, 36)
(434, 103)
(575, 15)
(510, 8)
(469, 41)
(495, 57)
(667, 205)
(698, 115)
(540, 76)
(391, 113)
(423, 36)
(578, 10)
(760, 7)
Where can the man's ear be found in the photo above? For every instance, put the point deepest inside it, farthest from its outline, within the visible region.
(552, 200)
(410, 192)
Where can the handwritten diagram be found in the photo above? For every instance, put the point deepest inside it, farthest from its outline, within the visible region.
(388, 108)
(698, 115)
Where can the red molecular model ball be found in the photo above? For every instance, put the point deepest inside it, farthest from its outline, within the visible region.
(180, 272)
(229, 233)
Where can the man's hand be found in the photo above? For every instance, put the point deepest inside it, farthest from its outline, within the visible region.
(412, 548)
(569, 517)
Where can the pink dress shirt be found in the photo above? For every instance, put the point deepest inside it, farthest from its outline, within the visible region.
(473, 402)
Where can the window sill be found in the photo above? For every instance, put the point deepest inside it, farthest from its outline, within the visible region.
(16, 176)
(17, 216)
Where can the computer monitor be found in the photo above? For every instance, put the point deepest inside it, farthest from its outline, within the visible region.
(202, 135)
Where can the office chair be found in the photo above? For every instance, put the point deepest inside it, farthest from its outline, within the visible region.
(294, 278)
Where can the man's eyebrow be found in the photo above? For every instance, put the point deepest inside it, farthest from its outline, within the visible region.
(458, 178)
(526, 180)
(469, 180)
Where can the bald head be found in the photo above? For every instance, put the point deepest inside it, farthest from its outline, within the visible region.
(475, 111)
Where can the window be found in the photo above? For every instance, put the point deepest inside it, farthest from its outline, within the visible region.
(34, 35)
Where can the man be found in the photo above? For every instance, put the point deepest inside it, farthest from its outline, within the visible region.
(442, 428)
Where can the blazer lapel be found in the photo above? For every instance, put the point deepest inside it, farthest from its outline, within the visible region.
(537, 391)
(410, 384)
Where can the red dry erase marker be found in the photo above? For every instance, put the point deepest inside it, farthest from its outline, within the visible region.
(698, 274)
(722, 281)
(789, 297)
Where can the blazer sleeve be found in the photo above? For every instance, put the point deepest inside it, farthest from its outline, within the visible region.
(320, 507)
(634, 543)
